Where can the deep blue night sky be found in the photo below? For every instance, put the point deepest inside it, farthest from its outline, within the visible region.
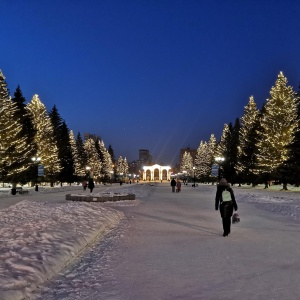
(156, 75)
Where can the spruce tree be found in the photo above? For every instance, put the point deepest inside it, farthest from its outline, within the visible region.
(203, 161)
(247, 141)
(14, 150)
(289, 171)
(4, 91)
(28, 131)
(78, 170)
(61, 135)
(93, 160)
(278, 126)
(186, 164)
(82, 155)
(107, 166)
(44, 138)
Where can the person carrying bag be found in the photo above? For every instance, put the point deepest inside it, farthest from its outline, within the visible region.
(225, 201)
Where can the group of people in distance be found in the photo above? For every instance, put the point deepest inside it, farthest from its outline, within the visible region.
(176, 185)
(224, 201)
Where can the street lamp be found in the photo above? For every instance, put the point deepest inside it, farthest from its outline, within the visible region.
(88, 171)
(219, 160)
(194, 168)
(36, 160)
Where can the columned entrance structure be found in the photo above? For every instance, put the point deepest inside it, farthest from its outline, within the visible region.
(156, 172)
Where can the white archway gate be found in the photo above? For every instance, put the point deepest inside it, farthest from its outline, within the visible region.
(152, 170)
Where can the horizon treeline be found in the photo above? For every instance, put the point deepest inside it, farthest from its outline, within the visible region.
(31, 136)
(262, 145)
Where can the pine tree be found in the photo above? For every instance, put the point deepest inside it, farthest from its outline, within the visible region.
(61, 135)
(82, 155)
(289, 171)
(93, 159)
(78, 170)
(14, 150)
(279, 124)
(211, 148)
(122, 166)
(186, 164)
(221, 145)
(4, 92)
(28, 131)
(107, 166)
(246, 161)
(203, 161)
(44, 138)
(226, 164)
(248, 121)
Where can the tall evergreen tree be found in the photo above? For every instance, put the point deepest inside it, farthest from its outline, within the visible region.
(203, 161)
(78, 170)
(61, 135)
(28, 131)
(44, 138)
(82, 155)
(247, 141)
(4, 91)
(186, 164)
(107, 166)
(14, 150)
(289, 171)
(279, 124)
(93, 159)
(227, 164)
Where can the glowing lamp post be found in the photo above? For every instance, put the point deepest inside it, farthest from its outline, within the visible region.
(88, 171)
(36, 160)
(219, 160)
(194, 168)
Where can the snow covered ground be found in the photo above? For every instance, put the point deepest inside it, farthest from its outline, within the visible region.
(39, 238)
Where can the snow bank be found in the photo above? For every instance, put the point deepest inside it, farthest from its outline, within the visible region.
(38, 239)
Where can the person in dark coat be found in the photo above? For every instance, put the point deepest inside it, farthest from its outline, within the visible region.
(91, 185)
(225, 200)
(173, 185)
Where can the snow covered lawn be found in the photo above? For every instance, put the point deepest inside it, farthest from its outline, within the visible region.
(39, 239)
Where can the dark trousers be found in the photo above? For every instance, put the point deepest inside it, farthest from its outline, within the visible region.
(226, 225)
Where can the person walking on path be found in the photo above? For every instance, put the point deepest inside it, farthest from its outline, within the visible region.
(173, 185)
(226, 201)
(84, 185)
(91, 185)
(178, 185)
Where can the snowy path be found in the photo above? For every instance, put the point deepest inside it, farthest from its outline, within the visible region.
(170, 246)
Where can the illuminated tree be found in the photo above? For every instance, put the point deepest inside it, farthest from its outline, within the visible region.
(106, 161)
(28, 132)
(61, 135)
(278, 126)
(211, 148)
(230, 162)
(289, 171)
(202, 160)
(44, 138)
(186, 163)
(4, 92)
(14, 150)
(247, 141)
(122, 166)
(82, 155)
(78, 170)
(93, 160)
(221, 145)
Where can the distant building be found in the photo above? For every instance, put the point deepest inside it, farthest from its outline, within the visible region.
(144, 157)
(193, 153)
(94, 137)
